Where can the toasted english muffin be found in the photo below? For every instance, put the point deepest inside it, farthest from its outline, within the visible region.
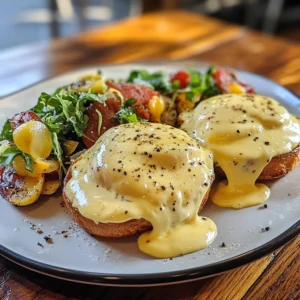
(278, 167)
(111, 230)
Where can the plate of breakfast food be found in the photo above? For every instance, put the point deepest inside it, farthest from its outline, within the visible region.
(143, 174)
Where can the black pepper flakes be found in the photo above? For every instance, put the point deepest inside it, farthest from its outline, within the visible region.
(223, 245)
(48, 239)
(263, 206)
(40, 245)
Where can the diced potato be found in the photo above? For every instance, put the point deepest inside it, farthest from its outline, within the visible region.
(50, 187)
(70, 146)
(29, 192)
(33, 138)
(182, 104)
(40, 166)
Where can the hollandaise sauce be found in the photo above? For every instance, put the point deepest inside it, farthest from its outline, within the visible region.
(244, 132)
(149, 171)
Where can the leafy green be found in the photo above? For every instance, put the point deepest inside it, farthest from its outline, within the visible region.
(6, 133)
(159, 81)
(64, 115)
(7, 157)
(127, 113)
(201, 84)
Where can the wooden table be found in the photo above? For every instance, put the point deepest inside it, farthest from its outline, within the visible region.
(169, 36)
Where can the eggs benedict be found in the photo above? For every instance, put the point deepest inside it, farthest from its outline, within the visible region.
(144, 177)
(252, 137)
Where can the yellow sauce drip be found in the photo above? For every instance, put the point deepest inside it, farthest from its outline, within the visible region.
(244, 132)
(150, 171)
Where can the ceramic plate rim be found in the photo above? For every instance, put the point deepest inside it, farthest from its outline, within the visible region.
(149, 279)
(154, 278)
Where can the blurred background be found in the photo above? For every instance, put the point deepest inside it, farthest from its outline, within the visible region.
(29, 21)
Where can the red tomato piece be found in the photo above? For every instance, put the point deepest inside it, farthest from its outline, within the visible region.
(107, 111)
(23, 117)
(10, 182)
(183, 77)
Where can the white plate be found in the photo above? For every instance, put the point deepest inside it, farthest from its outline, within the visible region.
(81, 257)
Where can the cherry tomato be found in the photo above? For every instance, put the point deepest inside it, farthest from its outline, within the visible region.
(183, 77)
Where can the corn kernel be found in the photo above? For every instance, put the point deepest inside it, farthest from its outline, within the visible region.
(33, 138)
(156, 107)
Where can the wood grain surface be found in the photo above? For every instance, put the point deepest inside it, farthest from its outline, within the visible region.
(172, 36)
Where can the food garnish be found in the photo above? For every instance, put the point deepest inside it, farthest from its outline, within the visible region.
(40, 142)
